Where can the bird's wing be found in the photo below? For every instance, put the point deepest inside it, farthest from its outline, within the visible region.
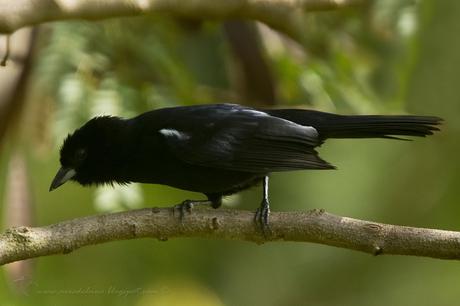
(241, 139)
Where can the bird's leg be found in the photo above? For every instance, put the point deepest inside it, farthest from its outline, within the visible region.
(216, 200)
(187, 205)
(262, 214)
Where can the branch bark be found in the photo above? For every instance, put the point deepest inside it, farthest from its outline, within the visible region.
(316, 226)
(280, 14)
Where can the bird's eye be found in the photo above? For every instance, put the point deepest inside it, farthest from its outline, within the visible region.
(80, 155)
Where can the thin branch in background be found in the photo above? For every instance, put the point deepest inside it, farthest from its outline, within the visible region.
(257, 83)
(14, 79)
(7, 51)
(18, 210)
(280, 14)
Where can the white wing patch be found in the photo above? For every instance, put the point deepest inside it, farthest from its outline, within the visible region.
(174, 133)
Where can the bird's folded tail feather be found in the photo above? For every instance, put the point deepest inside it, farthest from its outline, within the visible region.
(361, 126)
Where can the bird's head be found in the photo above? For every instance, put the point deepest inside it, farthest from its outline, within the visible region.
(90, 154)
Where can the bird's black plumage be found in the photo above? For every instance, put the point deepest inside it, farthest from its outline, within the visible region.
(215, 149)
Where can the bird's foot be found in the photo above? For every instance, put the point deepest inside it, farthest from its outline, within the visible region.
(262, 217)
(183, 207)
(187, 206)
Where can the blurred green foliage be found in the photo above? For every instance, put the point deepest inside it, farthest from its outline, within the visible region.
(394, 56)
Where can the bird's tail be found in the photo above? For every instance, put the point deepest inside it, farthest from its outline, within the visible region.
(361, 126)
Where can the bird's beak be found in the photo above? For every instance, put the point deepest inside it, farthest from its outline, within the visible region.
(62, 176)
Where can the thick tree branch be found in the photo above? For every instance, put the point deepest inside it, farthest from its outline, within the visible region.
(161, 223)
(280, 14)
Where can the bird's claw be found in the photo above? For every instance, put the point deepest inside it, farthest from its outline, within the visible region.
(184, 207)
(262, 217)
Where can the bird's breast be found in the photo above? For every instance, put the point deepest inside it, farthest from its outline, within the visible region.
(168, 170)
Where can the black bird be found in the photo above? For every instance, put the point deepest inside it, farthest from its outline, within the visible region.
(216, 149)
